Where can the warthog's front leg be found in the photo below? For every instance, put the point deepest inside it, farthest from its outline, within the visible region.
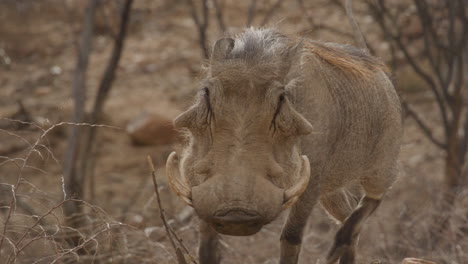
(208, 251)
(291, 237)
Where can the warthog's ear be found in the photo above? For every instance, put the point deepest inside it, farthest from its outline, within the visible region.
(222, 48)
(301, 125)
(290, 122)
(186, 119)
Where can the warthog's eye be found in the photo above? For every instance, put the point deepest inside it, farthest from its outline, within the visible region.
(206, 92)
(209, 111)
(281, 100)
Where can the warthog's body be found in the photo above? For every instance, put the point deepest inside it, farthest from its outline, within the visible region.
(355, 114)
(353, 144)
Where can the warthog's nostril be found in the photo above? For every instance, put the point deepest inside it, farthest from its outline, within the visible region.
(237, 221)
(240, 216)
(239, 211)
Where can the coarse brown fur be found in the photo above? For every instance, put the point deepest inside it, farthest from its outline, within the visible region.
(347, 58)
(282, 121)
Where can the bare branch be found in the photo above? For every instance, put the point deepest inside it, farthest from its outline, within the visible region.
(380, 13)
(103, 91)
(251, 13)
(219, 15)
(464, 140)
(430, 38)
(358, 36)
(79, 93)
(201, 24)
(464, 22)
(20, 203)
(73, 182)
(424, 128)
(319, 26)
(271, 11)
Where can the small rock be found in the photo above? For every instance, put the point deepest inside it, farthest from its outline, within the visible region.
(151, 129)
(185, 214)
(44, 90)
(155, 233)
(415, 160)
(136, 220)
(55, 70)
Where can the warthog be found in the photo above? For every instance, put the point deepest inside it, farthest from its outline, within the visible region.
(281, 122)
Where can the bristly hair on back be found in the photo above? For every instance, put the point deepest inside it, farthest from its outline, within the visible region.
(259, 53)
(347, 58)
(257, 45)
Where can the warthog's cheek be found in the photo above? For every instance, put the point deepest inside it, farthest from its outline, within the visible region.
(205, 200)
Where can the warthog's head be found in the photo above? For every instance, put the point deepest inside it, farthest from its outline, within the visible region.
(242, 165)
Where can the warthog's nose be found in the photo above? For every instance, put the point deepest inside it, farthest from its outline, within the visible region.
(237, 216)
(237, 222)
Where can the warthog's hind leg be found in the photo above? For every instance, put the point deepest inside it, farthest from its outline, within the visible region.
(291, 237)
(208, 251)
(347, 236)
(375, 185)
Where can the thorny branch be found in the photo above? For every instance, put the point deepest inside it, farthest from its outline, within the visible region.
(170, 232)
(14, 202)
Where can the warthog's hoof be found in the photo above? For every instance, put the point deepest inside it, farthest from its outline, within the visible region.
(337, 252)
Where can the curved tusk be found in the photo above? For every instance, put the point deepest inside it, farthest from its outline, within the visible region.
(179, 186)
(292, 194)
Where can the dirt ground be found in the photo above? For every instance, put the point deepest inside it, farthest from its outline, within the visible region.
(158, 73)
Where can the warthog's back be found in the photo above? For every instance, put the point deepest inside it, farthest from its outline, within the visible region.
(354, 109)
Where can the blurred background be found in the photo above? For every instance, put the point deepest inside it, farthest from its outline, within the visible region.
(89, 88)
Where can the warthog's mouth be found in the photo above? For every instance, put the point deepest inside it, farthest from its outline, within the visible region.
(237, 222)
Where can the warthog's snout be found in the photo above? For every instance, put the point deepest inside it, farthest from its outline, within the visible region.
(237, 221)
(237, 203)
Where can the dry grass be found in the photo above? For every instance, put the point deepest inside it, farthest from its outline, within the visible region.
(33, 230)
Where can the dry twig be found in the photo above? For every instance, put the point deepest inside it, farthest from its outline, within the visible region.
(219, 15)
(179, 246)
(202, 23)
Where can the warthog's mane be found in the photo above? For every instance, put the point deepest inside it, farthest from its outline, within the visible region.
(347, 58)
(258, 55)
(262, 54)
